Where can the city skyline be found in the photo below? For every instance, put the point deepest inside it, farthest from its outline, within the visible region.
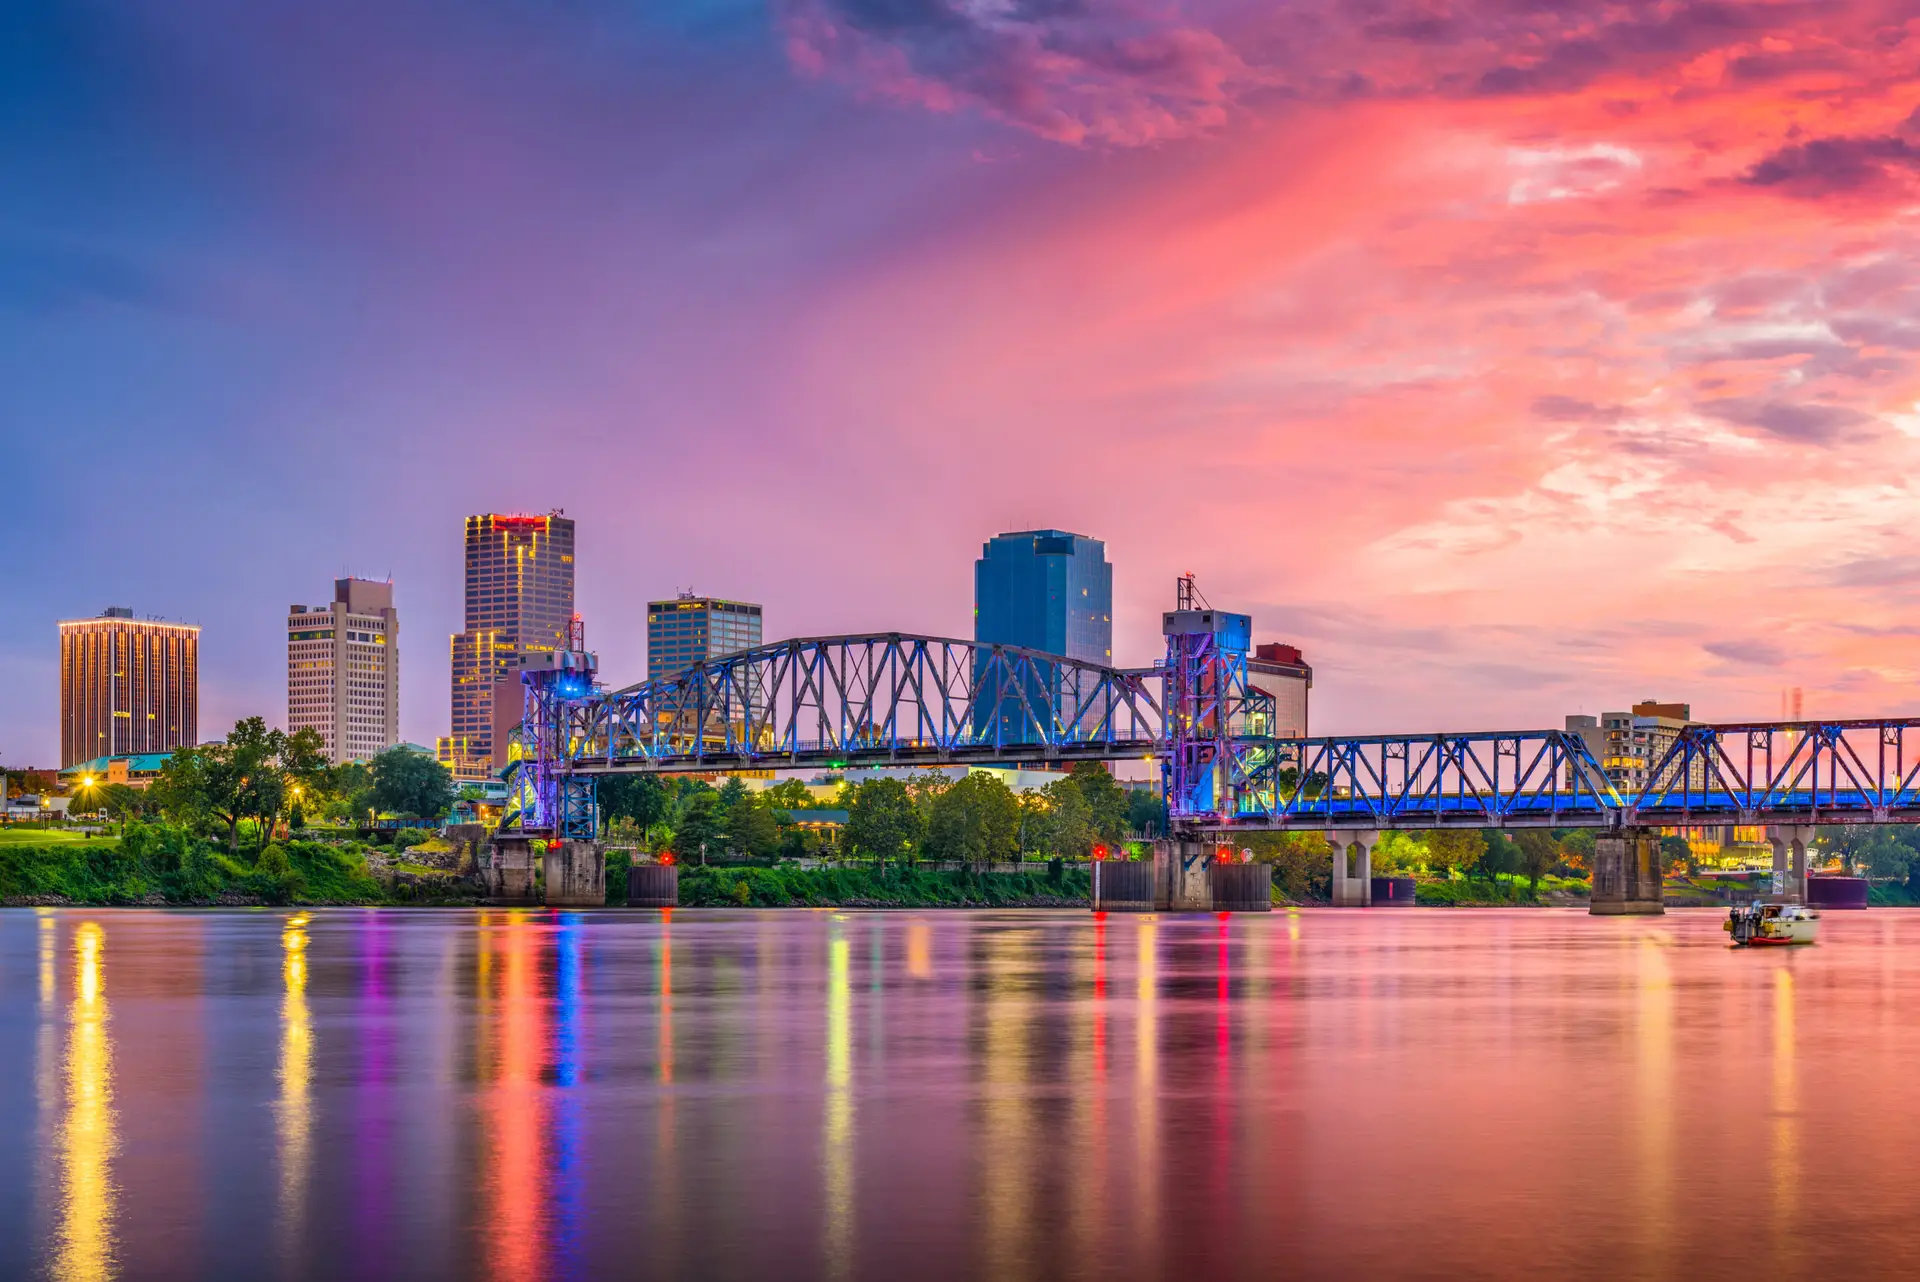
(1505, 384)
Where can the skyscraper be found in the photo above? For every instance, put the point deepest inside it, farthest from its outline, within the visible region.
(1045, 590)
(343, 670)
(519, 602)
(692, 629)
(127, 686)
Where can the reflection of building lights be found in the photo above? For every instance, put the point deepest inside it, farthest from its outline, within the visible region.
(87, 1141)
(838, 1140)
(296, 1074)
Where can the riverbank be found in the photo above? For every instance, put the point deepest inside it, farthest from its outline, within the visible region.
(162, 869)
(880, 888)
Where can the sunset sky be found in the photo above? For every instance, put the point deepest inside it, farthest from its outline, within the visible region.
(1513, 358)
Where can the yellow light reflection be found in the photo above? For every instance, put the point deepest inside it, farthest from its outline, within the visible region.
(1654, 1028)
(1146, 1071)
(295, 1112)
(838, 1146)
(1007, 1143)
(1784, 1160)
(919, 950)
(87, 1141)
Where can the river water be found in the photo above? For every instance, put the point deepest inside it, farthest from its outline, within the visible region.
(1017, 1095)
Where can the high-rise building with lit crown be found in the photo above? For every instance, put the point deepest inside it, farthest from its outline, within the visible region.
(127, 686)
(519, 594)
(343, 670)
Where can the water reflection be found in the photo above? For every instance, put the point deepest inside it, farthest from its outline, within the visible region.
(85, 1243)
(1654, 1110)
(837, 1142)
(1784, 1160)
(1028, 1095)
(295, 1109)
(511, 1105)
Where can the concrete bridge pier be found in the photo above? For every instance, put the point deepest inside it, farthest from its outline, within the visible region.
(1180, 881)
(1353, 878)
(1790, 842)
(507, 876)
(576, 875)
(1627, 875)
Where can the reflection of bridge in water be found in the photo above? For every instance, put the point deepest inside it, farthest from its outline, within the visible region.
(897, 699)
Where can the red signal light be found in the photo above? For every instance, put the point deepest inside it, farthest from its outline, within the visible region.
(1099, 852)
(666, 857)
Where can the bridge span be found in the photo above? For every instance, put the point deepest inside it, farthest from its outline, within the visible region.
(903, 699)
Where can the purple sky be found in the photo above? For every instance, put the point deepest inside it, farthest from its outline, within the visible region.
(1512, 359)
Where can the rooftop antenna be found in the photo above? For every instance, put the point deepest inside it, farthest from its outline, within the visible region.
(1187, 594)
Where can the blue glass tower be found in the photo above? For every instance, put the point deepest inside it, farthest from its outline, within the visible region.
(1045, 590)
(1042, 590)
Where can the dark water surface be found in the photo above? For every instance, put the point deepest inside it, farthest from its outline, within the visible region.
(1014, 1095)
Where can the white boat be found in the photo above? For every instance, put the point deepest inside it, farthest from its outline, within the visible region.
(1768, 925)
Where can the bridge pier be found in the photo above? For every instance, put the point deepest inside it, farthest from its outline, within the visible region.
(507, 876)
(1790, 842)
(1180, 883)
(1627, 875)
(1353, 886)
(575, 874)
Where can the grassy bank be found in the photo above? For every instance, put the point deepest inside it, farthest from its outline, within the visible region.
(1502, 892)
(878, 888)
(166, 867)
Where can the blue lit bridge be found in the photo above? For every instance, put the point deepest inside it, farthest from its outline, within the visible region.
(899, 699)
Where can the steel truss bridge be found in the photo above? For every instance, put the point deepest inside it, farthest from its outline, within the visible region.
(897, 699)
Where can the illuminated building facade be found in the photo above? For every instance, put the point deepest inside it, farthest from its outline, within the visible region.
(692, 629)
(127, 686)
(519, 594)
(343, 670)
(1045, 590)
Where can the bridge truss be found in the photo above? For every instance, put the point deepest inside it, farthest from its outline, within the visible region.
(898, 699)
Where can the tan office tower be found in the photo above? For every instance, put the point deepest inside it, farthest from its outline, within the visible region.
(519, 602)
(127, 686)
(343, 670)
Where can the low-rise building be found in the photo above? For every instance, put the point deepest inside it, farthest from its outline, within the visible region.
(137, 770)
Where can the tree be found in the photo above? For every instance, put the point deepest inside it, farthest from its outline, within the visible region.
(975, 821)
(640, 799)
(1454, 848)
(1500, 855)
(698, 825)
(250, 775)
(1146, 812)
(1849, 843)
(410, 783)
(1069, 828)
(1576, 849)
(733, 793)
(1676, 852)
(1107, 802)
(789, 794)
(882, 821)
(1538, 852)
(751, 829)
